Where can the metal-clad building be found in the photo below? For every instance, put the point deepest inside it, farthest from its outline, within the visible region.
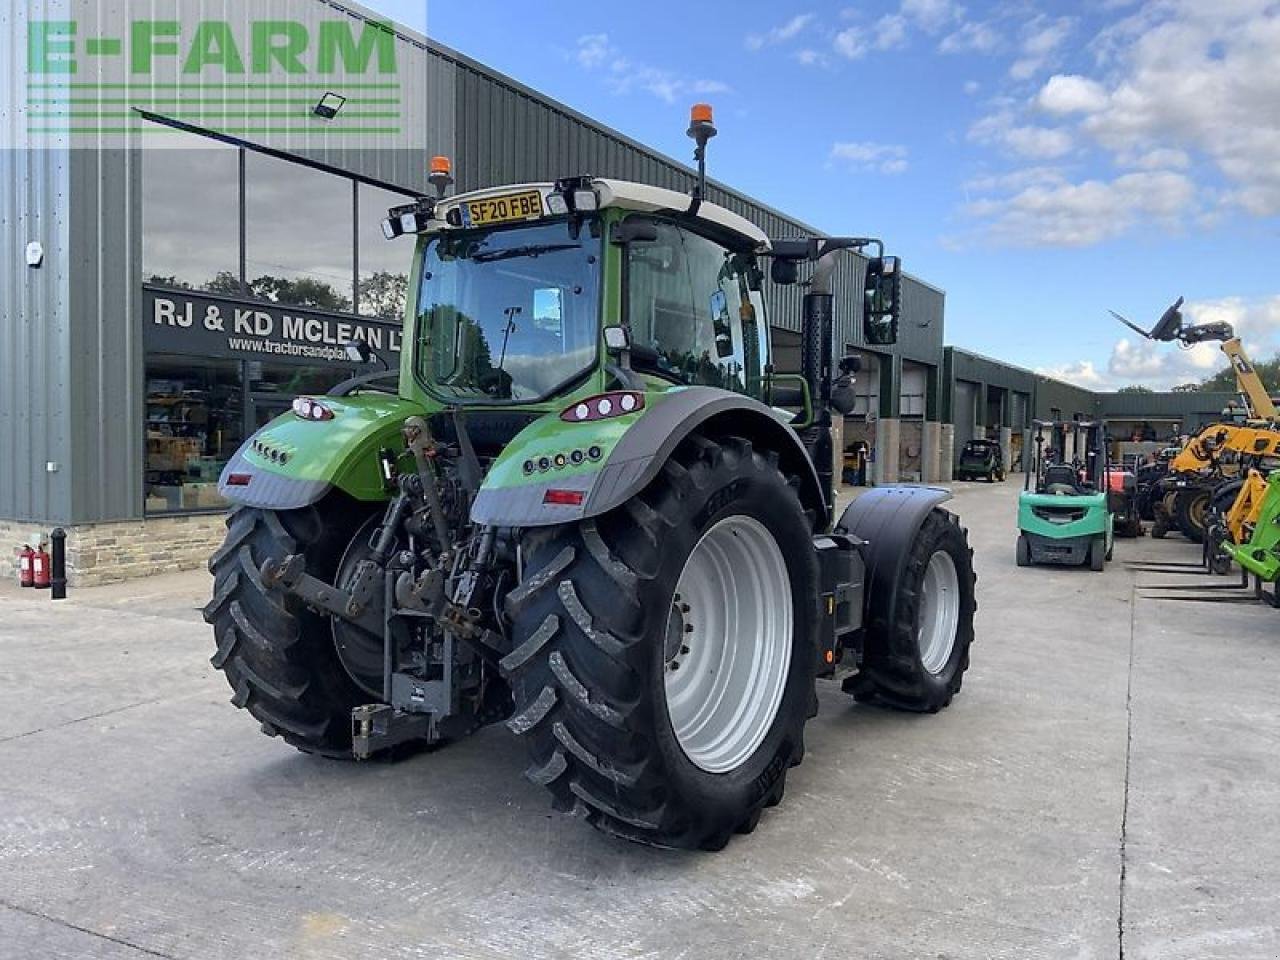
(99, 409)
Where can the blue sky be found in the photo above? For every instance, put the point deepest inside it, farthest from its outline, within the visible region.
(1040, 162)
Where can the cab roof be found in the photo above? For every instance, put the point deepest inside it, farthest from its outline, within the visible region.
(633, 196)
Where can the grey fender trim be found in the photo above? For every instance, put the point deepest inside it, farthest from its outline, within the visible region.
(888, 519)
(267, 490)
(638, 457)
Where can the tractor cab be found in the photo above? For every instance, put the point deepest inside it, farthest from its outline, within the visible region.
(1066, 518)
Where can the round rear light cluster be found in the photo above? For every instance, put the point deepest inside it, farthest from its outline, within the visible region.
(308, 409)
(603, 406)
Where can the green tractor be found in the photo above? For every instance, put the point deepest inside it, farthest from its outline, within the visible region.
(1066, 520)
(587, 507)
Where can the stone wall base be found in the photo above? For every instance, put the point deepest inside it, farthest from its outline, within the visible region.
(120, 550)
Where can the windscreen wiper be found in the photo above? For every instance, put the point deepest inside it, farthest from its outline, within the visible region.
(529, 250)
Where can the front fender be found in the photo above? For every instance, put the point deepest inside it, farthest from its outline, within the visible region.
(631, 451)
(291, 462)
(888, 519)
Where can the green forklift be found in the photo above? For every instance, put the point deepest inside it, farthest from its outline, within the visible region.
(1066, 520)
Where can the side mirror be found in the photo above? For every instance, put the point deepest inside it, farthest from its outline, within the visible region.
(634, 230)
(850, 364)
(883, 300)
(784, 272)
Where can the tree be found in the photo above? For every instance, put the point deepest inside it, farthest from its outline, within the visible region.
(382, 295)
(1135, 388)
(300, 292)
(1224, 381)
(225, 281)
(171, 282)
(1186, 388)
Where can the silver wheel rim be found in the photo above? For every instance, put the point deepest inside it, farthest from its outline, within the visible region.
(728, 644)
(939, 612)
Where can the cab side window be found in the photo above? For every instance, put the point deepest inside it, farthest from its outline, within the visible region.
(689, 301)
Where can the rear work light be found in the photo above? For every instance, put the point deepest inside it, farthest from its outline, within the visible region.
(603, 406)
(308, 409)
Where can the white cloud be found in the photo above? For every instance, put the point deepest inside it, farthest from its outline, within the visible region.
(1062, 214)
(595, 53)
(808, 57)
(971, 37)
(1082, 373)
(891, 31)
(1002, 129)
(1163, 158)
(1065, 94)
(593, 50)
(1196, 78)
(886, 158)
(780, 34)
(850, 43)
(1041, 40)
(932, 15)
(971, 87)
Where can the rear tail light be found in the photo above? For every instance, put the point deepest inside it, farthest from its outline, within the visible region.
(239, 479)
(603, 406)
(564, 498)
(308, 409)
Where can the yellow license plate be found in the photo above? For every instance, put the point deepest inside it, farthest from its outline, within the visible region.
(503, 209)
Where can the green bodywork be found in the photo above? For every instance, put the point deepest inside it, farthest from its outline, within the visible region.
(344, 452)
(1261, 555)
(1036, 509)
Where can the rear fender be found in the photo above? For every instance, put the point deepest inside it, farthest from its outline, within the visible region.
(292, 463)
(632, 450)
(888, 519)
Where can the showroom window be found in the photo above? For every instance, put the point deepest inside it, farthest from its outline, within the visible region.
(199, 411)
(257, 270)
(195, 421)
(383, 277)
(191, 237)
(311, 238)
(299, 235)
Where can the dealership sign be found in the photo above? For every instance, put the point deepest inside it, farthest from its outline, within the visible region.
(254, 70)
(180, 321)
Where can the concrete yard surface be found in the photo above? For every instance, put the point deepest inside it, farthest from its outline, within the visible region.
(1106, 785)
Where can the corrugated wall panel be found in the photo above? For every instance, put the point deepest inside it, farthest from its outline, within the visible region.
(34, 348)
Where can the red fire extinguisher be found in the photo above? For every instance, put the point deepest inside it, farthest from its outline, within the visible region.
(25, 576)
(40, 576)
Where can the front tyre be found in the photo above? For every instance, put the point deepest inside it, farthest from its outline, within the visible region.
(1191, 511)
(917, 643)
(279, 657)
(664, 655)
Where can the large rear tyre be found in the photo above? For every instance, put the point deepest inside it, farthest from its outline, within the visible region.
(664, 655)
(279, 657)
(1191, 511)
(917, 646)
(1096, 556)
